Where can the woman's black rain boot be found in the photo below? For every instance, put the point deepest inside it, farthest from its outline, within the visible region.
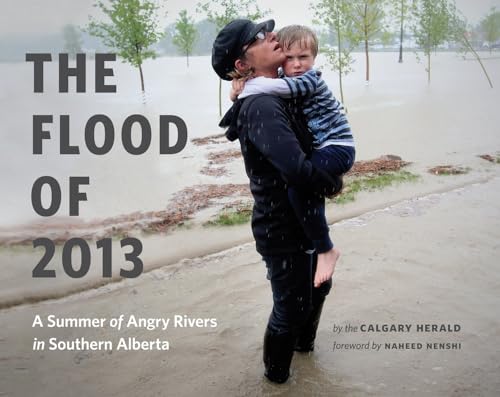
(278, 352)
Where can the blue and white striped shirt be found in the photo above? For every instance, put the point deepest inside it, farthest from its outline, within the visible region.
(324, 113)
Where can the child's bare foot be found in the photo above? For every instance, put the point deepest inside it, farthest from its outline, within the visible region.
(326, 266)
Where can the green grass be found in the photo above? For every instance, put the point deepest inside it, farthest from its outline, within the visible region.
(353, 186)
(233, 217)
(371, 183)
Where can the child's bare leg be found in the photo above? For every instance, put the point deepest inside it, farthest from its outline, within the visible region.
(326, 266)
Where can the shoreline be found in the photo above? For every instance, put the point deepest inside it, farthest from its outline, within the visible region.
(219, 238)
(187, 204)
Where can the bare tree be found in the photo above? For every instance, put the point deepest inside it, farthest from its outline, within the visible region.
(460, 33)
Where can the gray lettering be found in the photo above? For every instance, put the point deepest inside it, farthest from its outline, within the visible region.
(109, 134)
(36, 196)
(101, 72)
(38, 133)
(74, 193)
(65, 146)
(38, 60)
(65, 72)
(127, 134)
(165, 147)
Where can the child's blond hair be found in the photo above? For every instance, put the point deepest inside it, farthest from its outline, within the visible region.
(298, 33)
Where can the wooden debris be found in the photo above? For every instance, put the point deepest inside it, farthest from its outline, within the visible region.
(448, 170)
(214, 171)
(381, 164)
(223, 157)
(490, 158)
(210, 140)
(487, 157)
(183, 205)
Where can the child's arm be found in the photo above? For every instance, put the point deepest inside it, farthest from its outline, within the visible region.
(303, 85)
(266, 85)
(286, 87)
(242, 88)
(237, 86)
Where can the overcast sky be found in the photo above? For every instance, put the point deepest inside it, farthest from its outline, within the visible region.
(49, 16)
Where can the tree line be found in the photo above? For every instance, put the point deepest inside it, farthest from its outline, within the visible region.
(133, 31)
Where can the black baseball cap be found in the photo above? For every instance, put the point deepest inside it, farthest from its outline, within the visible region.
(230, 41)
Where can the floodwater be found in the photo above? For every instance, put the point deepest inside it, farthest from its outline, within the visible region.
(395, 269)
(428, 259)
(398, 112)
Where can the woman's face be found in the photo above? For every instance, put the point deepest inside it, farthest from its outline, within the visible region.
(265, 56)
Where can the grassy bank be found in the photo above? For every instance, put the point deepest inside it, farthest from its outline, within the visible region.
(353, 185)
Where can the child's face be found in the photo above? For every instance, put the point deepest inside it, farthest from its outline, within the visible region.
(299, 59)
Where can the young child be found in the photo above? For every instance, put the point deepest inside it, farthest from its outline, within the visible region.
(332, 138)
